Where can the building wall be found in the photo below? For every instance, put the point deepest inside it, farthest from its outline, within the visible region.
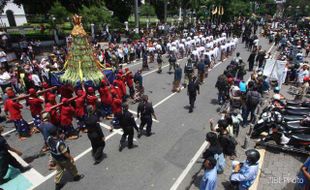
(18, 12)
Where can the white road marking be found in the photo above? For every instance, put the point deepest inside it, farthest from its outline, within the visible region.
(8, 132)
(165, 99)
(118, 131)
(134, 112)
(75, 159)
(32, 175)
(189, 166)
(13, 130)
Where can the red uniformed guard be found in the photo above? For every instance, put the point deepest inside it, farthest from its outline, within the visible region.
(80, 109)
(14, 110)
(66, 91)
(54, 115)
(106, 101)
(129, 82)
(66, 117)
(116, 107)
(47, 93)
(91, 97)
(35, 105)
(120, 84)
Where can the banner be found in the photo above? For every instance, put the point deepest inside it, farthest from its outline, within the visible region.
(275, 69)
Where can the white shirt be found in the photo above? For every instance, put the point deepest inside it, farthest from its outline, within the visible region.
(3, 57)
(5, 78)
(302, 74)
(36, 80)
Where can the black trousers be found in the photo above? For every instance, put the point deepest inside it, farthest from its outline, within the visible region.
(7, 159)
(192, 99)
(129, 133)
(148, 121)
(97, 151)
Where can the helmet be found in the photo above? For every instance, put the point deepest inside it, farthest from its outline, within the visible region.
(277, 97)
(276, 89)
(277, 117)
(252, 156)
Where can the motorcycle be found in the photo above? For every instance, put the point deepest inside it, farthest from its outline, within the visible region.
(298, 143)
(270, 118)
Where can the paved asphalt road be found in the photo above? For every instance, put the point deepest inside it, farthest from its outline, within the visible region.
(158, 160)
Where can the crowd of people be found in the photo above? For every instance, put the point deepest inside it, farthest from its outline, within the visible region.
(54, 109)
(292, 47)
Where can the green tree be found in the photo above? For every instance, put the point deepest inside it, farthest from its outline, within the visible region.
(96, 14)
(59, 12)
(147, 10)
(121, 8)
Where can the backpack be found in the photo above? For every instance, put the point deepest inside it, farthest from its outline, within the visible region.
(221, 82)
(253, 98)
(220, 163)
(189, 67)
(191, 87)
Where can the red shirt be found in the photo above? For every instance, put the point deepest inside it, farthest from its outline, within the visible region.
(53, 114)
(91, 100)
(35, 105)
(121, 85)
(118, 92)
(105, 96)
(116, 106)
(14, 109)
(66, 115)
(45, 95)
(129, 79)
(80, 105)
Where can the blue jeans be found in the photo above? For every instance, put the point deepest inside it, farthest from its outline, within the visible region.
(221, 97)
(245, 114)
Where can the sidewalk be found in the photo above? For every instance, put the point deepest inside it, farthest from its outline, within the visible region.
(278, 170)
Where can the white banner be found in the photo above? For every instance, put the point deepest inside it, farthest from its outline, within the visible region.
(275, 69)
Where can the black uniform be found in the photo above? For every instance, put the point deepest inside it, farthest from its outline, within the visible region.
(127, 123)
(95, 135)
(188, 71)
(145, 109)
(193, 88)
(6, 159)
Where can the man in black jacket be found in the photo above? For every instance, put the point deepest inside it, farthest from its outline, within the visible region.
(127, 123)
(193, 88)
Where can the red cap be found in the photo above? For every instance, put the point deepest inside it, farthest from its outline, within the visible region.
(126, 69)
(113, 92)
(79, 92)
(306, 79)
(44, 85)
(65, 100)
(230, 80)
(10, 93)
(32, 91)
(90, 90)
(103, 82)
(51, 97)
